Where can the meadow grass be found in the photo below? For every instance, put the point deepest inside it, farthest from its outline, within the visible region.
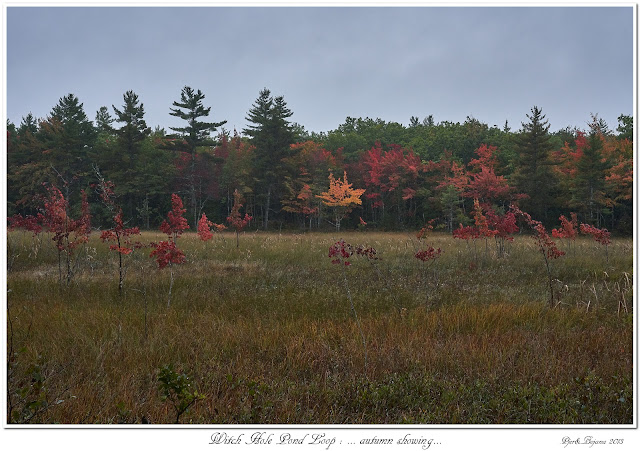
(265, 332)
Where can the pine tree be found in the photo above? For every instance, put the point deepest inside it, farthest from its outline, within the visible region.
(625, 127)
(24, 166)
(190, 109)
(104, 120)
(29, 124)
(588, 187)
(134, 129)
(123, 159)
(534, 175)
(196, 133)
(272, 135)
(67, 137)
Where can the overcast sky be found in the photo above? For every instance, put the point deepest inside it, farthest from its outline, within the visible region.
(492, 63)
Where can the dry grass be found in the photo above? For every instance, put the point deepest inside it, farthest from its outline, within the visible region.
(266, 334)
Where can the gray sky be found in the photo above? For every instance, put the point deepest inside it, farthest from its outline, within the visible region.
(492, 63)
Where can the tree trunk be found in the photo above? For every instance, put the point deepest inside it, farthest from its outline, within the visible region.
(267, 207)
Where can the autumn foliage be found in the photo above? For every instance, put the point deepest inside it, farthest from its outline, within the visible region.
(204, 228)
(341, 197)
(118, 233)
(121, 235)
(339, 253)
(167, 252)
(568, 229)
(68, 233)
(235, 219)
(602, 236)
(429, 253)
(175, 223)
(29, 223)
(545, 245)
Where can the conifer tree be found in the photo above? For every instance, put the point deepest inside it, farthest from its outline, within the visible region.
(123, 160)
(625, 127)
(587, 193)
(190, 109)
(534, 175)
(272, 135)
(134, 129)
(67, 137)
(104, 120)
(197, 133)
(24, 165)
(29, 124)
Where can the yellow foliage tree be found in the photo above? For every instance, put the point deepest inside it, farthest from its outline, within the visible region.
(341, 197)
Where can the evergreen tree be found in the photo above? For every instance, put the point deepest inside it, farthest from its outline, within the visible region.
(625, 127)
(534, 174)
(104, 120)
(190, 109)
(67, 138)
(12, 138)
(134, 129)
(29, 124)
(13, 162)
(587, 193)
(428, 121)
(272, 135)
(77, 127)
(121, 162)
(196, 133)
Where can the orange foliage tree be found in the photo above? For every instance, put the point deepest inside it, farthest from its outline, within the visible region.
(341, 198)
(302, 203)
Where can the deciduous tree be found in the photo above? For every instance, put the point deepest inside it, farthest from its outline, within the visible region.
(235, 219)
(341, 197)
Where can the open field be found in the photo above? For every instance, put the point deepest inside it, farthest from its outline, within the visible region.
(266, 333)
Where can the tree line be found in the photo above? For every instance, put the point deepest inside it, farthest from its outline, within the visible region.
(424, 171)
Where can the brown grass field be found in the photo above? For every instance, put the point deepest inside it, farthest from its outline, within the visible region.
(265, 333)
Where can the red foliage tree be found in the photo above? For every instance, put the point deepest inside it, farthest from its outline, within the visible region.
(568, 156)
(466, 233)
(484, 184)
(391, 176)
(235, 219)
(204, 228)
(430, 253)
(175, 223)
(167, 252)
(602, 236)
(118, 233)
(568, 229)
(545, 244)
(29, 223)
(67, 232)
(503, 227)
